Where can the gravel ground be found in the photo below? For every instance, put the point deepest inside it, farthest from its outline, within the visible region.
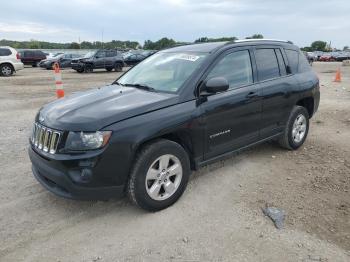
(219, 216)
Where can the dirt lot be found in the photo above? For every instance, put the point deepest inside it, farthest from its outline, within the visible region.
(218, 218)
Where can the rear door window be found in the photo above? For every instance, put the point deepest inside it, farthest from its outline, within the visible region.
(267, 63)
(293, 60)
(5, 52)
(236, 67)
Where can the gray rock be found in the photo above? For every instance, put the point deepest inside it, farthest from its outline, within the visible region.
(277, 215)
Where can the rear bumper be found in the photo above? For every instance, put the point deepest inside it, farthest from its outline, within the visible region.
(18, 66)
(61, 184)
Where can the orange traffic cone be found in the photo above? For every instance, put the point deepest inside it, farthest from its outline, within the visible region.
(58, 81)
(338, 76)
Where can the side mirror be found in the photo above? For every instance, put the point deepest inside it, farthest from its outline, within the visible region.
(288, 70)
(215, 85)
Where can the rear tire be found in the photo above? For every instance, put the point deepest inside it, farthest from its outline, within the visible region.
(118, 67)
(159, 175)
(6, 70)
(296, 130)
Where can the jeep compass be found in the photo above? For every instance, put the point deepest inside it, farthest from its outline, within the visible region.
(174, 112)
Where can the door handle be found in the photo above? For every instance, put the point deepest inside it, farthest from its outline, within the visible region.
(252, 95)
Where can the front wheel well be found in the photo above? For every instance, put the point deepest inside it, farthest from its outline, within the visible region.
(308, 103)
(182, 140)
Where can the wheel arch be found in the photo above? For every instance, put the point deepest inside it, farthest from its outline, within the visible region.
(178, 137)
(8, 63)
(308, 103)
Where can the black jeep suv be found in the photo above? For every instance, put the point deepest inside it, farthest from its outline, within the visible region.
(107, 59)
(174, 112)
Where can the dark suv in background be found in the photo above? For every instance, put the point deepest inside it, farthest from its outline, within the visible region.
(176, 111)
(107, 59)
(32, 57)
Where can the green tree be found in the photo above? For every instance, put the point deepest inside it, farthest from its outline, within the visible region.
(319, 46)
(220, 39)
(160, 44)
(74, 45)
(34, 44)
(255, 36)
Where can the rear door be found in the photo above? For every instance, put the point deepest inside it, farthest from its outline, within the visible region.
(232, 118)
(277, 87)
(110, 58)
(100, 58)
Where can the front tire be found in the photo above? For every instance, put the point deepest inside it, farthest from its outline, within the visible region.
(159, 175)
(296, 130)
(88, 68)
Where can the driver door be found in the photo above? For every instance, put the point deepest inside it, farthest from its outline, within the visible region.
(232, 118)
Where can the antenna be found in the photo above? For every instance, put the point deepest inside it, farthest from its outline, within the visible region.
(102, 37)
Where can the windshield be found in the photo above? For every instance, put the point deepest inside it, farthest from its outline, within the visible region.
(163, 71)
(89, 54)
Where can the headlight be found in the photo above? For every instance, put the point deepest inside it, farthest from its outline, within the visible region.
(79, 141)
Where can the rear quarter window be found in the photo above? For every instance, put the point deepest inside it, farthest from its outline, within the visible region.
(5, 52)
(304, 65)
(293, 60)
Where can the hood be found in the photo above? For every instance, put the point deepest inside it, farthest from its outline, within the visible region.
(98, 108)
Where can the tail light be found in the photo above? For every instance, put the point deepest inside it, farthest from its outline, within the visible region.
(18, 56)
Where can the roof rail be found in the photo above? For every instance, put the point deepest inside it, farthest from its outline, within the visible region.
(262, 39)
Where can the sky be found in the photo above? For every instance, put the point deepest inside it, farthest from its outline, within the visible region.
(301, 21)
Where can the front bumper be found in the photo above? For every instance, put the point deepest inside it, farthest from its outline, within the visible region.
(60, 183)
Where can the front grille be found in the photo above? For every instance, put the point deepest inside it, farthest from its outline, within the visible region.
(45, 139)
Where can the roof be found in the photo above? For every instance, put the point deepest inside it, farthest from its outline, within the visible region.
(211, 46)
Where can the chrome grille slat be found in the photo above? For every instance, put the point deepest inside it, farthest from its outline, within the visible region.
(45, 139)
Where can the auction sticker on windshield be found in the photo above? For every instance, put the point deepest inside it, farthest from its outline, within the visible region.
(191, 58)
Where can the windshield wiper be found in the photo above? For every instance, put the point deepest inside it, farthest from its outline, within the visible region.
(117, 83)
(141, 86)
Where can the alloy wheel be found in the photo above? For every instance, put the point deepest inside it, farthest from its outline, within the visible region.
(163, 177)
(6, 70)
(299, 128)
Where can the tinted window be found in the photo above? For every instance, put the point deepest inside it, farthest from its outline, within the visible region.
(292, 56)
(236, 68)
(267, 63)
(5, 52)
(281, 62)
(303, 63)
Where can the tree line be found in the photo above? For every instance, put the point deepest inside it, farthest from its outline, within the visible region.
(114, 44)
(321, 46)
(148, 44)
